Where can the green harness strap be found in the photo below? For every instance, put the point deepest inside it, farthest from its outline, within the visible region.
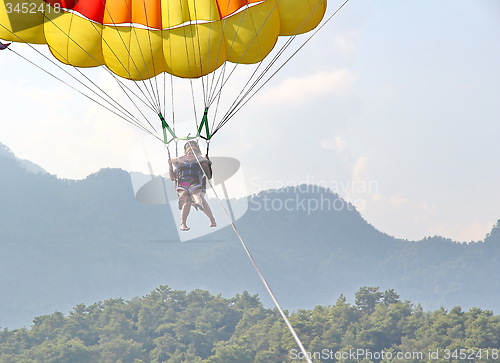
(166, 127)
(202, 128)
(204, 123)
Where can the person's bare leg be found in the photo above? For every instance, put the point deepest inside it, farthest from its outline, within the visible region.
(186, 208)
(208, 212)
(197, 199)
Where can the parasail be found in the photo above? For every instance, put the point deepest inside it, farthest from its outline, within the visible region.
(146, 46)
(139, 40)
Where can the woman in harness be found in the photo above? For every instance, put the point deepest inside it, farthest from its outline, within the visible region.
(190, 181)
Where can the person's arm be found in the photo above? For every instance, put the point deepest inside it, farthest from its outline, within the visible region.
(171, 171)
(207, 167)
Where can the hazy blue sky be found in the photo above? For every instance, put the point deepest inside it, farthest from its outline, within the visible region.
(394, 104)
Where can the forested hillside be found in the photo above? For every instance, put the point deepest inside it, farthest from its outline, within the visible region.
(178, 326)
(64, 242)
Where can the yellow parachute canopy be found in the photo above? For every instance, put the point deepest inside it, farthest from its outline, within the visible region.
(139, 39)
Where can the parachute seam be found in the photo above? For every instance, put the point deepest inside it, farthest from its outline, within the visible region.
(157, 95)
(184, 29)
(149, 96)
(195, 26)
(213, 82)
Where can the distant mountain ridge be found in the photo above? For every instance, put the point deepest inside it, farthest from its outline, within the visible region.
(65, 242)
(26, 164)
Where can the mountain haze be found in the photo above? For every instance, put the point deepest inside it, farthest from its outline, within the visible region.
(65, 242)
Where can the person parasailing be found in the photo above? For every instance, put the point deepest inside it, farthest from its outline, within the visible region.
(189, 172)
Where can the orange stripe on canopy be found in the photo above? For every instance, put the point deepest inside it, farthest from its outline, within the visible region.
(228, 7)
(91, 9)
(145, 12)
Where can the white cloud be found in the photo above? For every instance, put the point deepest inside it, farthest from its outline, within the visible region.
(296, 90)
(61, 130)
(461, 232)
(359, 169)
(347, 43)
(336, 144)
(395, 214)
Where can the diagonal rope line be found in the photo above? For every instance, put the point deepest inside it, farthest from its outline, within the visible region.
(213, 79)
(188, 46)
(251, 83)
(104, 93)
(249, 45)
(197, 43)
(244, 94)
(222, 72)
(215, 90)
(167, 66)
(148, 97)
(235, 110)
(156, 95)
(256, 267)
(89, 97)
(127, 116)
(110, 48)
(280, 52)
(104, 96)
(255, 39)
(212, 76)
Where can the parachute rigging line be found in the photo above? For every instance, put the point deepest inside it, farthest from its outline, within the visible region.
(246, 98)
(212, 91)
(150, 96)
(119, 110)
(151, 99)
(72, 76)
(136, 122)
(151, 105)
(243, 94)
(236, 64)
(70, 86)
(212, 83)
(256, 267)
(152, 55)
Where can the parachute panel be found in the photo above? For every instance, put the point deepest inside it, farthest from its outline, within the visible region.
(206, 10)
(228, 7)
(19, 27)
(133, 53)
(252, 34)
(142, 38)
(300, 16)
(194, 50)
(174, 13)
(81, 47)
(177, 12)
(144, 12)
(90, 9)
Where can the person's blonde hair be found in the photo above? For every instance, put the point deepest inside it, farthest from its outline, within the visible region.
(193, 144)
